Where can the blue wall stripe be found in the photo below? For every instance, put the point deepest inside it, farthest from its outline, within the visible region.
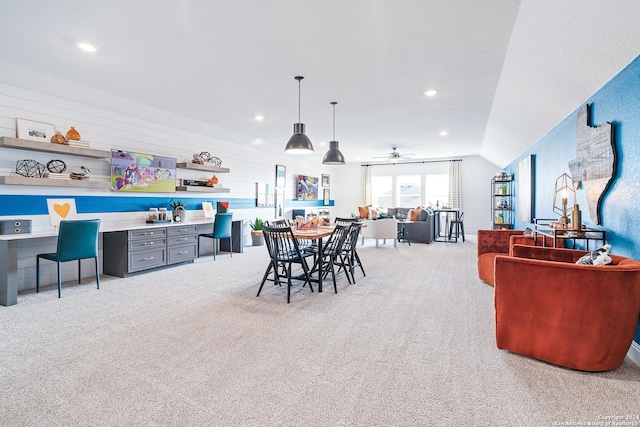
(37, 205)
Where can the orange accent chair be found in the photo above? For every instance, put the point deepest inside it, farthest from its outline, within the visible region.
(582, 317)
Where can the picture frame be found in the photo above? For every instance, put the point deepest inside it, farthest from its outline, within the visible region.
(526, 189)
(326, 180)
(281, 176)
(326, 197)
(279, 213)
(34, 131)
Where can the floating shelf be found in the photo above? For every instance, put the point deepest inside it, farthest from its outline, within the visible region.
(198, 166)
(202, 189)
(76, 183)
(24, 144)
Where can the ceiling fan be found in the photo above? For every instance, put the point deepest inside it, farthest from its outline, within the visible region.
(395, 156)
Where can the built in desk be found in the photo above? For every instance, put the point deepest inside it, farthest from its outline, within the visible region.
(145, 246)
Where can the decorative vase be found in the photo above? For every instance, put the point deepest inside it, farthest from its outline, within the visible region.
(73, 134)
(179, 214)
(58, 138)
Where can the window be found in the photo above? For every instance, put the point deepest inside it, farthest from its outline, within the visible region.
(381, 191)
(409, 191)
(436, 189)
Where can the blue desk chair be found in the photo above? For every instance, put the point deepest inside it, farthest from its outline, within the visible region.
(77, 240)
(221, 230)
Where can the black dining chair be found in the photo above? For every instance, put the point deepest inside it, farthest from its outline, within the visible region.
(459, 225)
(283, 253)
(77, 240)
(331, 253)
(351, 259)
(221, 230)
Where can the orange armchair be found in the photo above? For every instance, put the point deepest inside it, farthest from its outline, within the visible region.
(579, 316)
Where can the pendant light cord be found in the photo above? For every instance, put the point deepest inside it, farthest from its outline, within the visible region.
(334, 119)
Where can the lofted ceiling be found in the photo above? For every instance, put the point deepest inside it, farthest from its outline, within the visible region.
(506, 71)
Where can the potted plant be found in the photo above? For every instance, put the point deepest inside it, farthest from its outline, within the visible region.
(257, 240)
(179, 210)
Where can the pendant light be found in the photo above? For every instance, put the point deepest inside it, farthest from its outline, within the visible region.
(299, 143)
(333, 156)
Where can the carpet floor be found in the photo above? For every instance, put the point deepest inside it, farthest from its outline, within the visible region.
(410, 344)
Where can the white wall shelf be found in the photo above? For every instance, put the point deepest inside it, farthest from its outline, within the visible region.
(71, 183)
(24, 144)
(200, 167)
(202, 189)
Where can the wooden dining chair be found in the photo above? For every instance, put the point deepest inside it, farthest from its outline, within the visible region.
(221, 230)
(77, 240)
(283, 253)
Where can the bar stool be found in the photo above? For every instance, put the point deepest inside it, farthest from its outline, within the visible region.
(459, 226)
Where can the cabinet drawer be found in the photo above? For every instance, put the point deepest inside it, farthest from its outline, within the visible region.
(182, 239)
(182, 253)
(147, 234)
(154, 242)
(142, 260)
(182, 229)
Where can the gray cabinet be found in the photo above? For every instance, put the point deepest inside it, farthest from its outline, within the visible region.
(132, 251)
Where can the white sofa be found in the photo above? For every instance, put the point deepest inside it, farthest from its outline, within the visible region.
(384, 229)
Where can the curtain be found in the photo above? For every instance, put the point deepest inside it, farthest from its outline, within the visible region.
(455, 194)
(366, 185)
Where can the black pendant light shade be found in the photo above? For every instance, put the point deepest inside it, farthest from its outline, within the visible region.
(333, 156)
(299, 143)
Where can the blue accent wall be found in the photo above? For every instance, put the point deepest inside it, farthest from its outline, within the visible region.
(37, 205)
(617, 102)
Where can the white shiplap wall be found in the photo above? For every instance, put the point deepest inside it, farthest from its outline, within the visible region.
(108, 123)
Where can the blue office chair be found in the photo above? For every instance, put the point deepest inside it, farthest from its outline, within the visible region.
(221, 230)
(77, 240)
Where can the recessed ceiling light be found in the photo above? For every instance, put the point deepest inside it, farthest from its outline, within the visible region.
(323, 143)
(444, 133)
(258, 117)
(431, 92)
(87, 47)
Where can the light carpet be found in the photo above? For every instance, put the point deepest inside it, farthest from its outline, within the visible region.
(411, 344)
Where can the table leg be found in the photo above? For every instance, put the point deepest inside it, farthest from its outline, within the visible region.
(9, 269)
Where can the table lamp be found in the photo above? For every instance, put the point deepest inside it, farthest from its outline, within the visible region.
(562, 191)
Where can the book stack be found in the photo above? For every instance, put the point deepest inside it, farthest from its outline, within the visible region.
(56, 175)
(81, 144)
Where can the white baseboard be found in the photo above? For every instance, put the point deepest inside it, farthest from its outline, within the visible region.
(634, 353)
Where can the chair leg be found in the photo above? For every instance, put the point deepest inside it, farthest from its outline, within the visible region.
(79, 271)
(97, 273)
(215, 248)
(462, 229)
(37, 274)
(59, 281)
(264, 278)
(198, 247)
(231, 247)
(359, 262)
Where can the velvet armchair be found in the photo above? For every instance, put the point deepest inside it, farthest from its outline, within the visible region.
(579, 316)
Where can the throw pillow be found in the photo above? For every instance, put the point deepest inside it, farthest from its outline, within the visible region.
(363, 211)
(598, 257)
(423, 215)
(413, 215)
(527, 232)
(372, 213)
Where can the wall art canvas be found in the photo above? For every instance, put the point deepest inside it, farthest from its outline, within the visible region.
(139, 172)
(525, 189)
(60, 209)
(281, 175)
(264, 194)
(34, 131)
(307, 187)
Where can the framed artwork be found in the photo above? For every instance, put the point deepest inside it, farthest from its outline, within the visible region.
(279, 202)
(281, 176)
(34, 131)
(326, 198)
(207, 209)
(307, 187)
(60, 209)
(325, 180)
(525, 198)
(264, 195)
(138, 172)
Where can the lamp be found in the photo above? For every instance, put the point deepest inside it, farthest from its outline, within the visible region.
(299, 143)
(563, 189)
(333, 156)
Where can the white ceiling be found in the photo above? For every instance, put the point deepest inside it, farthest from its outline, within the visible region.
(506, 71)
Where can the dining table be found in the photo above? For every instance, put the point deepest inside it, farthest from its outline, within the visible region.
(316, 234)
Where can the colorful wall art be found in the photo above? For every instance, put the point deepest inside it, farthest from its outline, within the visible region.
(138, 172)
(307, 187)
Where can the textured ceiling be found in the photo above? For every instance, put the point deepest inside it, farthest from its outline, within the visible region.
(506, 71)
